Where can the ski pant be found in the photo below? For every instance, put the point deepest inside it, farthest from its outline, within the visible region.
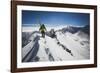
(43, 34)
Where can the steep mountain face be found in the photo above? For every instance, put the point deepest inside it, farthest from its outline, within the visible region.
(84, 32)
(86, 29)
(68, 43)
(25, 38)
(70, 29)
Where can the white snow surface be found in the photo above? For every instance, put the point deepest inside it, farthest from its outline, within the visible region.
(50, 50)
(79, 51)
(54, 49)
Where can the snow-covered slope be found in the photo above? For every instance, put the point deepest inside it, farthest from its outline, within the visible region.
(73, 43)
(65, 46)
(50, 50)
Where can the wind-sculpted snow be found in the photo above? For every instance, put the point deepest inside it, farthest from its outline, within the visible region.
(30, 56)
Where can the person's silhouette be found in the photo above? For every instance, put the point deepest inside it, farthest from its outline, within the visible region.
(42, 29)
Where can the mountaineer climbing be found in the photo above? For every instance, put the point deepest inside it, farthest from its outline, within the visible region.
(42, 29)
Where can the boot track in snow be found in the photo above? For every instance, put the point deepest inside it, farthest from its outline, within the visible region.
(48, 51)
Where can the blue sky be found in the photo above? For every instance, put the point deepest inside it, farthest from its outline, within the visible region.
(29, 18)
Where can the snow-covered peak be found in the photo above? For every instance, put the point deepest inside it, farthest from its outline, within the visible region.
(82, 34)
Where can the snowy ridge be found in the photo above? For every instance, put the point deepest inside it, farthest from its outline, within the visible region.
(65, 46)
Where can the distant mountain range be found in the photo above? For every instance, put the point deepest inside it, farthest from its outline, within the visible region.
(73, 29)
